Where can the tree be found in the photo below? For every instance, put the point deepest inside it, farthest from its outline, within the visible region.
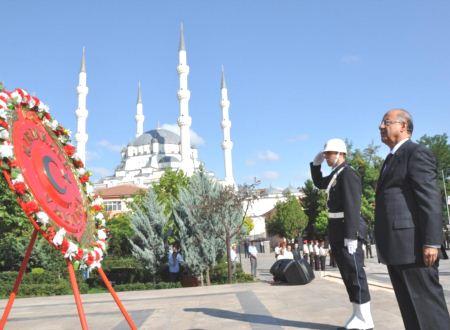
(167, 191)
(310, 202)
(289, 219)
(15, 230)
(120, 231)
(147, 244)
(439, 146)
(195, 221)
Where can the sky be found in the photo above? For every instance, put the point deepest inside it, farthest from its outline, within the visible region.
(298, 73)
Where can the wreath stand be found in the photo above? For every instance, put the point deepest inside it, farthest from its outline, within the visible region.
(73, 282)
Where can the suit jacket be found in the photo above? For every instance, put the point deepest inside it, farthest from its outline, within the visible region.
(408, 210)
(344, 196)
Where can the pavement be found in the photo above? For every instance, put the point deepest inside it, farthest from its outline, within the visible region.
(321, 304)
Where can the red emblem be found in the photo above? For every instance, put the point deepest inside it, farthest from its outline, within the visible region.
(46, 170)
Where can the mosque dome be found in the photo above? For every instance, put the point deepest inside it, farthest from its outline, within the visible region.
(163, 136)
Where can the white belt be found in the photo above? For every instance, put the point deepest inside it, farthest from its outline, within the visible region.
(336, 215)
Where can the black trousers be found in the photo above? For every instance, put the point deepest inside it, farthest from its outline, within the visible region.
(352, 272)
(420, 296)
(322, 262)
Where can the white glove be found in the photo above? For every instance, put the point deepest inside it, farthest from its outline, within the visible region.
(318, 159)
(351, 245)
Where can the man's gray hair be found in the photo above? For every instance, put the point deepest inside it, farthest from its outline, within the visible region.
(406, 117)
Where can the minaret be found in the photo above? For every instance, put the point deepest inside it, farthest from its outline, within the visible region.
(82, 113)
(227, 144)
(184, 121)
(139, 113)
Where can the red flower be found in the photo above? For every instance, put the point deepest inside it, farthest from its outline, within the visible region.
(90, 259)
(97, 256)
(64, 246)
(97, 208)
(69, 149)
(78, 163)
(50, 233)
(30, 207)
(79, 254)
(12, 163)
(84, 178)
(20, 188)
(4, 124)
(47, 116)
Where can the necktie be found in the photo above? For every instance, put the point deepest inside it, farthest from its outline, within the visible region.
(386, 163)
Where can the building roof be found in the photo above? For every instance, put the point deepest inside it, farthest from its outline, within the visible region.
(163, 136)
(120, 191)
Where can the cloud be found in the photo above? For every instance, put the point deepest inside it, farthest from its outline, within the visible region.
(298, 138)
(92, 155)
(271, 175)
(268, 155)
(250, 162)
(196, 140)
(350, 59)
(110, 146)
(101, 171)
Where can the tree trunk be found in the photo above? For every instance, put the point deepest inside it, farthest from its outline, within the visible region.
(201, 279)
(208, 277)
(228, 243)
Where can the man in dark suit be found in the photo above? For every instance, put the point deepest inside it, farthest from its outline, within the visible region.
(408, 224)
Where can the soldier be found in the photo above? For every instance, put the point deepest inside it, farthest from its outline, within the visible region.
(343, 187)
(305, 250)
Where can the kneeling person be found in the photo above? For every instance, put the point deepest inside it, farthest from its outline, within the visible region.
(343, 187)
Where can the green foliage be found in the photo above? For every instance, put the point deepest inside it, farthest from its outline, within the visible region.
(120, 232)
(196, 219)
(219, 274)
(289, 219)
(148, 224)
(168, 188)
(39, 283)
(146, 286)
(247, 226)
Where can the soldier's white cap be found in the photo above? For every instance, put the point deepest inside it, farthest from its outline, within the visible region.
(336, 145)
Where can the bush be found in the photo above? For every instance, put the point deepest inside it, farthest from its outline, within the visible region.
(146, 286)
(39, 283)
(219, 274)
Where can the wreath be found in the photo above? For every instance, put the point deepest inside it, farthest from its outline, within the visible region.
(85, 254)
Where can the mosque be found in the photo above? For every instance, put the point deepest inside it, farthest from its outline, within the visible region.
(145, 159)
(150, 153)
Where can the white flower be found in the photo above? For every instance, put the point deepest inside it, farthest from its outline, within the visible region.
(57, 240)
(99, 251)
(72, 249)
(101, 234)
(102, 244)
(54, 124)
(6, 151)
(99, 216)
(19, 178)
(89, 189)
(17, 96)
(31, 102)
(43, 107)
(42, 217)
(81, 171)
(4, 134)
(98, 201)
(3, 106)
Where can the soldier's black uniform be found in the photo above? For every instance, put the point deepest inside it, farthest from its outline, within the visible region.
(345, 199)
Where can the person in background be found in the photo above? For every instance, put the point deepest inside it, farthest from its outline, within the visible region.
(253, 255)
(288, 253)
(305, 250)
(175, 260)
(233, 258)
(296, 252)
(261, 244)
(323, 256)
(316, 256)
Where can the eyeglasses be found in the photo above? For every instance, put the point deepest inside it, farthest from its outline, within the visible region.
(387, 122)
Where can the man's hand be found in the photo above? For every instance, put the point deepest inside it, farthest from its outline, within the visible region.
(430, 255)
(318, 160)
